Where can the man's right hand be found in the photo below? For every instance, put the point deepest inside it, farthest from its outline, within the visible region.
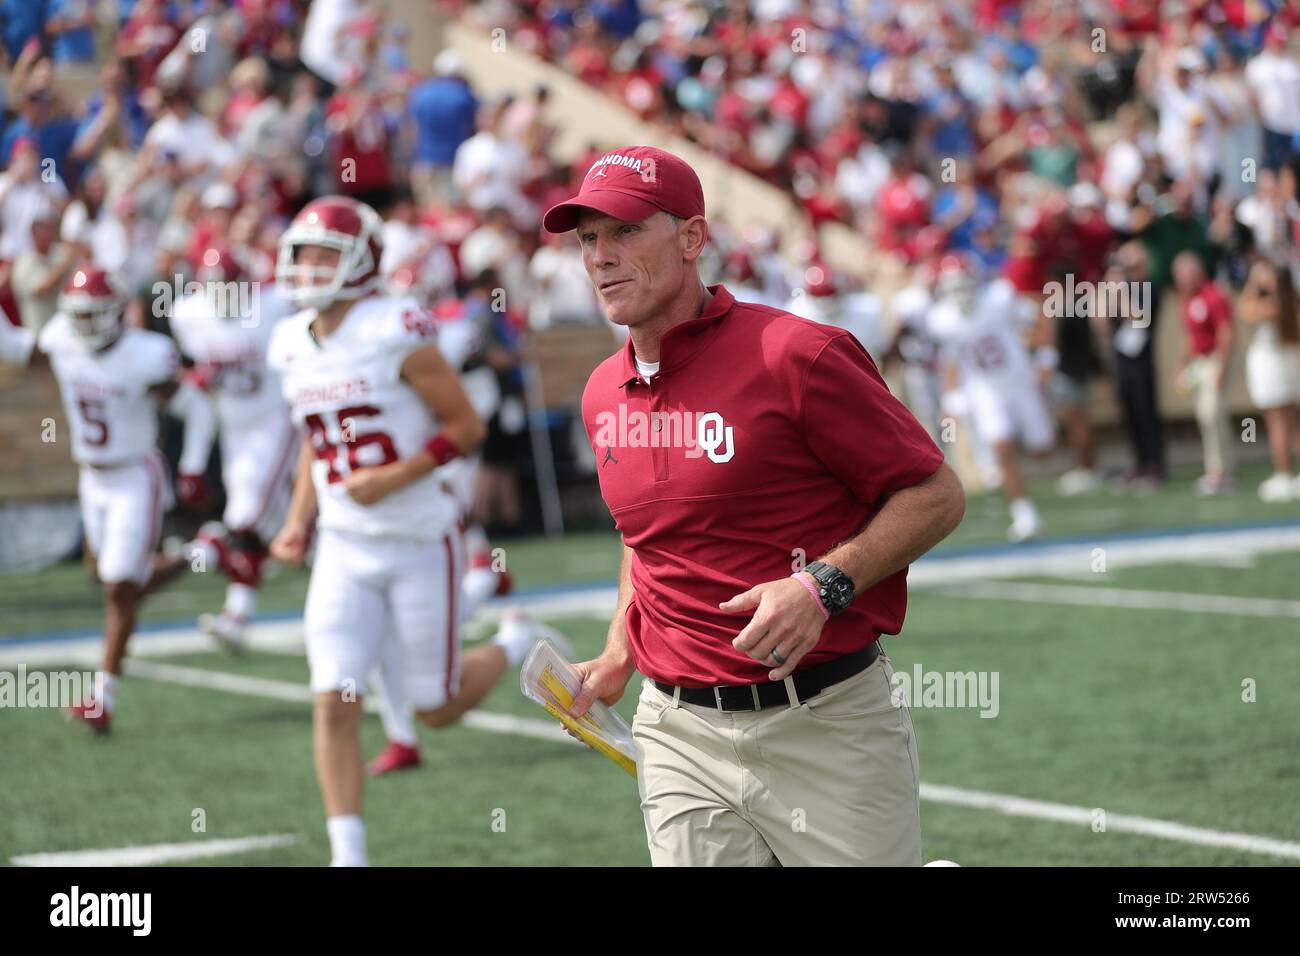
(602, 679)
(290, 545)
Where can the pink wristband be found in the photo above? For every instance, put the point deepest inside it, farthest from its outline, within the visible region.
(798, 576)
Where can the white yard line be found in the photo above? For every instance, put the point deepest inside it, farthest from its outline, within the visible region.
(270, 636)
(1070, 557)
(156, 853)
(1116, 822)
(299, 693)
(956, 796)
(1124, 597)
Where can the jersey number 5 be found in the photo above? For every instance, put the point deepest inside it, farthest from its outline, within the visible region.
(328, 441)
(92, 413)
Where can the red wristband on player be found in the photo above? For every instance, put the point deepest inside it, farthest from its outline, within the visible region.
(442, 448)
(817, 596)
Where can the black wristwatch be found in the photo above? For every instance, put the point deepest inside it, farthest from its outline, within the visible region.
(834, 586)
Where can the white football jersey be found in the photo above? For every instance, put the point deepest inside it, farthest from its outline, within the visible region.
(859, 313)
(984, 344)
(346, 392)
(244, 390)
(113, 417)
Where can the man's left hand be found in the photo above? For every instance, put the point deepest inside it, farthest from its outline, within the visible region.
(786, 620)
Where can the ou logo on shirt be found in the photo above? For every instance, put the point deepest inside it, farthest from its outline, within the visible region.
(711, 434)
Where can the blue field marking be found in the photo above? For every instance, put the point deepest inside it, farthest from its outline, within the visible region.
(949, 554)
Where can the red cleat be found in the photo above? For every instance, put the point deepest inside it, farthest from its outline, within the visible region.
(394, 757)
(505, 584)
(92, 714)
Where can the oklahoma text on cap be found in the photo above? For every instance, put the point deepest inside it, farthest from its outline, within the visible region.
(632, 184)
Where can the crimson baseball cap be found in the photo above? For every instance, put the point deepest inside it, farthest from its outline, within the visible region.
(631, 184)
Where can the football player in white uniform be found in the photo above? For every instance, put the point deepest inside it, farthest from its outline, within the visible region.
(819, 298)
(918, 353)
(461, 339)
(382, 409)
(225, 328)
(992, 379)
(111, 379)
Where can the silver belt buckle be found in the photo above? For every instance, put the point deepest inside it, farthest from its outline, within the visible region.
(717, 699)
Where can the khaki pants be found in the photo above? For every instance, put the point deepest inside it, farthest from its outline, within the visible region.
(1212, 417)
(832, 781)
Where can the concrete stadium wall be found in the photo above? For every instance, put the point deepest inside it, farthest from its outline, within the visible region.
(32, 468)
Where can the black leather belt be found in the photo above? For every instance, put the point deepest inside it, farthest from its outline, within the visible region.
(809, 683)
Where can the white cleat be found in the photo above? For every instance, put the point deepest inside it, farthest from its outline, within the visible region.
(229, 631)
(1025, 529)
(1279, 488)
(1078, 481)
(1211, 486)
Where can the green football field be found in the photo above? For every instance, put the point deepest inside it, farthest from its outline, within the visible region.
(1146, 715)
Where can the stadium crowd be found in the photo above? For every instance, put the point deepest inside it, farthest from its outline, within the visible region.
(1033, 140)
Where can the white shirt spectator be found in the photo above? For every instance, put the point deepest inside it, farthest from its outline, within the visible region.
(414, 247)
(20, 204)
(488, 172)
(1122, 168)
(1188, 139)
(564, 289)
(32, 269)
(194, 139)
(1276, 83)
(322, 41)
(1270, 220)
(490, 248)
(858, 178)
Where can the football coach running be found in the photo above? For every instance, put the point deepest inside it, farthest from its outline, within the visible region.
(736, 444)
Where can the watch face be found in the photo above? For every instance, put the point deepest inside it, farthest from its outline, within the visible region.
(841, 593)
(836, 586)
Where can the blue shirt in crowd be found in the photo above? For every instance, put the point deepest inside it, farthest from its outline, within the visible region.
(444, 110)
(72, 46)
(23, 20)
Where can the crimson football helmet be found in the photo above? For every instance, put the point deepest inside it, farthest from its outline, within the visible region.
(96, 306)
(220, 273)
(818, 280)
(334, 222)
(218, 264)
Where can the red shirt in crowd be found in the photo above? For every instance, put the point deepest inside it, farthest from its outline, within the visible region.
(1204, 314)
(777, 440)
(365, 142)
(149, 36)
(902, 208)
